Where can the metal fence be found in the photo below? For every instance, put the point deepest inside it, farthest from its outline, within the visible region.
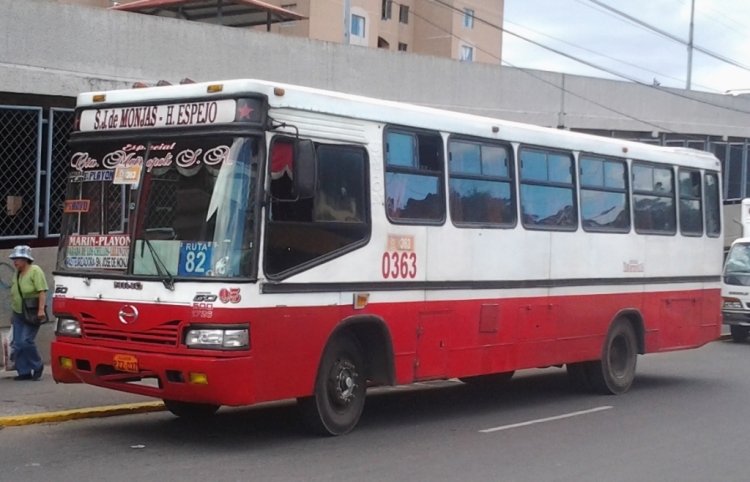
(20, 166)
(33, 167)
(58, 153)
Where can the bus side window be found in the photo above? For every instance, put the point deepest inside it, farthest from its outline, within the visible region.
(691, 202)
(548, 199)
(481, 184)
(713, 204)
(653, 199)
(414, 177)
(335, 220)
(604, 194)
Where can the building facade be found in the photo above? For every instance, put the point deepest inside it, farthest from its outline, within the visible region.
(466, 30)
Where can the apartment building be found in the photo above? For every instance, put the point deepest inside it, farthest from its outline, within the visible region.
(466, 30)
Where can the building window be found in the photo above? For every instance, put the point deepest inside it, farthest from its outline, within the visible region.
(402, 47)
(653, 199)
(386, 9)
(604, 195)
(481, 184)
(468, 18)
(358, 26)
(403, 13)
(467, 53)
(414, 177)
(547, 190)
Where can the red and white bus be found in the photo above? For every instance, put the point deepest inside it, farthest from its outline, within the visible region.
(236, 242)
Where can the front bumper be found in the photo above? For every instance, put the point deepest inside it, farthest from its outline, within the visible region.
(740, 318)
(227, 381)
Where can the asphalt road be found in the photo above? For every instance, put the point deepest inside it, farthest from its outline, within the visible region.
(683, 420)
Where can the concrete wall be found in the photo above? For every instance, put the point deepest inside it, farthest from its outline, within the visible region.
(60, 49)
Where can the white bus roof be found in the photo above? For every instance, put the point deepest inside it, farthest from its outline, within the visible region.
(390, 112)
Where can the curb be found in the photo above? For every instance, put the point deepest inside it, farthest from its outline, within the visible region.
(81, 413)
(725, 337)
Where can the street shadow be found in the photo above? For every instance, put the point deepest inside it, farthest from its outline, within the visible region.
(263, 427)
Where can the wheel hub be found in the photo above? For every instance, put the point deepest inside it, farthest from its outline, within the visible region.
(343, 383)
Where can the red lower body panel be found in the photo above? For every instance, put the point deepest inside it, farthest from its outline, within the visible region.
(229, 380)
(430, 340)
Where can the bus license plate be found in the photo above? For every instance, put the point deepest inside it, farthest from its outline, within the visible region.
(125, 363)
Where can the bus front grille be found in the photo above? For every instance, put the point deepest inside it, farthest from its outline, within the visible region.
(166, 334)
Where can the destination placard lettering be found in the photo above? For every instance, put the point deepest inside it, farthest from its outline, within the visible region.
(154, 116)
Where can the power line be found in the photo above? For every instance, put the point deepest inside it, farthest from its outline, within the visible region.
(585, 49)
(598, 67)
(542, 79)
(668, 35)
(717, 17)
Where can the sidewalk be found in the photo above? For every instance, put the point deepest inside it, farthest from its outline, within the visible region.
(25, 402)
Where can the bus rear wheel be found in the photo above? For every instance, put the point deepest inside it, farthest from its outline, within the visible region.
(739, 333)
(191, 411)
(340, 388)
(615, 372)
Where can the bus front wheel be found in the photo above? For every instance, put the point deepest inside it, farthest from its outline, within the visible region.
(192, 411)
(340, 386)
(615, 372)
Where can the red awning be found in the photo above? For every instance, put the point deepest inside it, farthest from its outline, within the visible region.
(233, 13)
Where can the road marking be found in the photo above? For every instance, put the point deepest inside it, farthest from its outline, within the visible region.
(548, 419)
(80, 413)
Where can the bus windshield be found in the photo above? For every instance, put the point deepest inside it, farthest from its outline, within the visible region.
(187, 211)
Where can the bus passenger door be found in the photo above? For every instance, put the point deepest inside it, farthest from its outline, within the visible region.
(432, 344)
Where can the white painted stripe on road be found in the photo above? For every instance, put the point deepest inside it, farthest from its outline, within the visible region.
(548, 419)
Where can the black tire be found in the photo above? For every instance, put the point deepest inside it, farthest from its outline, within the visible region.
(739, 333)
(615, 372)
(488, 381)
(578, 376)
(340, 389)
(191, 411)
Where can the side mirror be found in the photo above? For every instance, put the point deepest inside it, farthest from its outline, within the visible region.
(305, 169)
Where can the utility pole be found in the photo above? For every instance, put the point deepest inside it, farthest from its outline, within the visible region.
(690, 45)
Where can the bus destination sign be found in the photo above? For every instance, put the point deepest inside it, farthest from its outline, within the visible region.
(185, 114)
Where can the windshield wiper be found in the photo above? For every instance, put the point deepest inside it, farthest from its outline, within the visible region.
(164, 275)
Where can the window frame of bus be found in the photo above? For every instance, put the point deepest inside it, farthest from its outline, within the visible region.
(690, 170)
(716, 208)
(415, 171)
(330, 255)
(582, 156)
(573, 186)
(510, 179)
(637, 192)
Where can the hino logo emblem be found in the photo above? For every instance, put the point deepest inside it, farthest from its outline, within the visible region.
(128, 314)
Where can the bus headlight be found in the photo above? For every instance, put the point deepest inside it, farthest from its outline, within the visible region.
(218, 338)
(68, 327)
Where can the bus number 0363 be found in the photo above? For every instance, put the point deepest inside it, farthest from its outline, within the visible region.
(397, 265)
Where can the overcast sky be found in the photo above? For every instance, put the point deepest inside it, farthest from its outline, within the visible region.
(585, 30)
